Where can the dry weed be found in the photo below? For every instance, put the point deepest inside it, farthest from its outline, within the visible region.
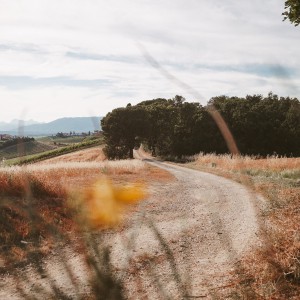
(231, 163)
(44, 188)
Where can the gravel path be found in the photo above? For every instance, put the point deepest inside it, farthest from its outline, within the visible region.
(207, 221)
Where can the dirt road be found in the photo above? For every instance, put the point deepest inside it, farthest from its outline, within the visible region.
(207, 223)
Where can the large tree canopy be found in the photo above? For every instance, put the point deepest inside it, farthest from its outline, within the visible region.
(123, 130)
(262, 126)
(292, 11)
(174, 128)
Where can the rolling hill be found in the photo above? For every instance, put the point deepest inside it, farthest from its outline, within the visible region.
(29, 148)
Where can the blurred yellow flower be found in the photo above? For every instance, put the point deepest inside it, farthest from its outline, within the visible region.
(103, 204)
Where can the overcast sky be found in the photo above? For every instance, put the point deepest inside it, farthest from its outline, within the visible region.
(81, 58)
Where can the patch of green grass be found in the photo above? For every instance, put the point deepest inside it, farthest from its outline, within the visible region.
(54, 140)
(44, 139)
(68, 140)
(291, 174)
(53, 153)
(61, 140)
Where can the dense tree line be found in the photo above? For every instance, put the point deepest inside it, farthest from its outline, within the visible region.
(173, 127)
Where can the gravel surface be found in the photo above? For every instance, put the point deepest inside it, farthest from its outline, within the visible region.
(206, 221)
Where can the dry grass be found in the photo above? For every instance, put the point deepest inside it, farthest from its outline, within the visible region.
(229, 163)
(36, 217)
(273, 272)
(93, 155)
(44, 189)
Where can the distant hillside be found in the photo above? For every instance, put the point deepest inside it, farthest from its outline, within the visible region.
(28, 148)
(78, 124)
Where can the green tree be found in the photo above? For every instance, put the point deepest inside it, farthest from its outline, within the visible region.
(188, 131)
(163, 115)
(173, 127)
(123, 130)
(292, 11)
(180, 128)
(262, 125)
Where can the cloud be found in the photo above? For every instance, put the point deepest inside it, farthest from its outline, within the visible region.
(81, 52)
(262, 70)
(26, 82)
(94, 56)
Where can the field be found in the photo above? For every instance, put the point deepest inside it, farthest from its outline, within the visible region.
(29, 148)
(44, 189)
(53, 140)
(274, 270)
(54, 152)
(94, 154)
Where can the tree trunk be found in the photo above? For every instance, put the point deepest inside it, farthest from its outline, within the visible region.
(153, 151)
(131, 153)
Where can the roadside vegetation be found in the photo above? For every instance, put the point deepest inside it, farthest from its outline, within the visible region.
(273, 270)
(40, 210)
(48, 185)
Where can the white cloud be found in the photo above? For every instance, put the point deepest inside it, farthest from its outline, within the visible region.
(216, 46)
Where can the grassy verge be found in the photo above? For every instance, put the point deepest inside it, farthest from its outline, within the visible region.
(273, 271)
(44, 189)
(53, 153)
(40, 215)
(36, 218)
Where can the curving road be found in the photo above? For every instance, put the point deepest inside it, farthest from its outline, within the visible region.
(208, 221)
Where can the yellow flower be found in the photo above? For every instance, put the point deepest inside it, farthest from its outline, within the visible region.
(103, 204)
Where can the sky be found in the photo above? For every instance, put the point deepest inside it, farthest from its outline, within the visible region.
(66, 58)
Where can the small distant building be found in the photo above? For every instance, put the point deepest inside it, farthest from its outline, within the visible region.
(97, 133)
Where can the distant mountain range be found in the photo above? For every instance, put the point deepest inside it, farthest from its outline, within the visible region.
(32, 128)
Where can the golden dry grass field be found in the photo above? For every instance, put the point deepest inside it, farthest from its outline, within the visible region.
(45, 188)
(93, 154)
